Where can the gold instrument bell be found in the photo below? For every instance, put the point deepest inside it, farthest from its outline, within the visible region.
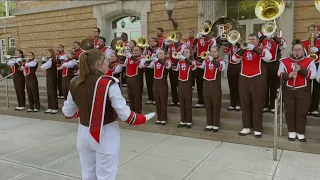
(317, 4)
(172, 36)
(233, 37)
(147, 57)
(119, 47)
(269, 28)
(87, 44)
(204, 55)
(142, 42)
(205, 28)
(268, 10)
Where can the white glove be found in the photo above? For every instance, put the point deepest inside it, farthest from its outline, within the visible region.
(175, 40)
(44, 59)
(198, 35)
(129, 55)
(150, 116)
(210, 58)
(153, 56)
(166, 42)
(314, 49)
(250, 46)
(181, 57)
(155, 59)
(179, 53)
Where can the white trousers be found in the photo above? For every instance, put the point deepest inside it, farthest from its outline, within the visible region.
(99, 161)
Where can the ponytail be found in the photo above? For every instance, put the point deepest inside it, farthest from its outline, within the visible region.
(83, 68)
(87, 61)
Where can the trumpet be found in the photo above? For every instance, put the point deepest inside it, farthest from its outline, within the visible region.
(204, 55)
(233, 37)
(142, 42)
(175, 55)
(311, 45)
(244, 45)
(205, 28)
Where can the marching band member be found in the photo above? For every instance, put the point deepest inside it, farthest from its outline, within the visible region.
(98, 99)
(213, 66)
(160, 37)
(184, 67)
(96, 35)
(252, 84)
(77, 53)
(275, 45)
(50, 67)
(189, 41)
(202, 44)
(18, 79)
(233, 73)
(114, 67)
(134, 71)
(124, 37)
(30, 68)
(160, 85)
(60, 57)
(103, 47)
(67, 68)
(314, 42)
(296, 71)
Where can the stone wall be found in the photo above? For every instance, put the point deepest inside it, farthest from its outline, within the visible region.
(40, 31)
(185, 13)
(305, 13)
(21, 5)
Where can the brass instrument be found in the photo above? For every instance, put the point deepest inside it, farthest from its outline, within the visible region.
(295, 76)
(205, 28)
(204, 55)
(311, 45)
(175, 55)
(148, 57)
(268, 10)
(269, 28)
(87, 44)
(142, 42)
(119, 47)
(233, 37)
(244, 45)
(317, 4)
(172, 36)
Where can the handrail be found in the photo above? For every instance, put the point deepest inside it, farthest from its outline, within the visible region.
(275, 126)
(7, 88)
(6, 77)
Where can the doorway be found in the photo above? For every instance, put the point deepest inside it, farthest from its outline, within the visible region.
(130, 25)
(250, 26)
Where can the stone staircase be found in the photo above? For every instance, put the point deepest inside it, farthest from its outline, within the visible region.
(230, 125)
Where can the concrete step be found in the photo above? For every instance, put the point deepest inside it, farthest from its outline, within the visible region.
(311, 146)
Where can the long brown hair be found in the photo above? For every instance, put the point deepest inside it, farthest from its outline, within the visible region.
(87, 60)
(53, 55)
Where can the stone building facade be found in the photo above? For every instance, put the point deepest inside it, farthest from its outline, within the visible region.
(39, 25)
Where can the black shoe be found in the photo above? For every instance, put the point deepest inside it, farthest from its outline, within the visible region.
(215, 130)
(163, 123)
(172, 104)
(291, 139)
(231, 108)
(258, 136)
(242, 134)
(303, 140)
(157, 122)
(181, 125)
(188, 126)
(207, 129)
(316, 115)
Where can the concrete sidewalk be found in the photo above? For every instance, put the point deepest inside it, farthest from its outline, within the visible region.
(33, 149)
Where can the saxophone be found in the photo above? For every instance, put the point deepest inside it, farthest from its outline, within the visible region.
(311, 45)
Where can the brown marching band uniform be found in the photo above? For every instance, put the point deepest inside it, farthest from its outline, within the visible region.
(134, 75)
(185, 89)
(61, 57)
(212, 90)
(315, 85)
(160, 87)
(19, 84)
(233, 74)
(173, 75)
(67, 75)
(51, 81)
(252, 86)
(32, 86)
(296, 102)
(275, 46)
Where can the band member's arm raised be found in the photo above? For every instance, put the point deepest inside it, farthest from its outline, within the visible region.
(117, 69)
(311, 72)
(31, 64)
(142, 63)
(69, 64)
(238, 56)
(46, 65)
(11, 62)
(123, 111)
(150, 65)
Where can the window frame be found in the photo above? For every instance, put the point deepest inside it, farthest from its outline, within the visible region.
(7, 9)
(9, 42)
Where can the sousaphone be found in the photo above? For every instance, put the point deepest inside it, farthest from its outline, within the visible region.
(87, 44)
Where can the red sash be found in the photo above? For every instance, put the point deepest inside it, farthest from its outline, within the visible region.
(98, 107)
(13, 69)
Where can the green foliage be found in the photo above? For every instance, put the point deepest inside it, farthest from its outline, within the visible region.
(11, 7)
(4, 69)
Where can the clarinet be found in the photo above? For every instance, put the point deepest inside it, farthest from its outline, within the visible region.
(295, 76)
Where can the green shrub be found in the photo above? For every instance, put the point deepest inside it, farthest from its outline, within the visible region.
(4, 69)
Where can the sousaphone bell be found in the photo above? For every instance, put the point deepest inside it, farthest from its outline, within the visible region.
(87, 44)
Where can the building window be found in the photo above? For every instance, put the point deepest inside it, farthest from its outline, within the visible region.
(3, 47)
(7, 8)
(126, 22)
(12, 43)
(241, 9)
